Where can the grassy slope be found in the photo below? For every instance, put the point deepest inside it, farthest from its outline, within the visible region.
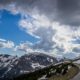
(71, 73)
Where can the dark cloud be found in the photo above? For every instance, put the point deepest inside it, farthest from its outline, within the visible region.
(69, 12)
(68, 6)
(64, 11)
(77, 50)
(60, 49)
(46, 35)
(46, 7)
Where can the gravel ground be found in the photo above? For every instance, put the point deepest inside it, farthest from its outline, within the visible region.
(77, 77)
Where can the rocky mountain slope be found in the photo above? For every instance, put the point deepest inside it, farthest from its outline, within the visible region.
(11, 66)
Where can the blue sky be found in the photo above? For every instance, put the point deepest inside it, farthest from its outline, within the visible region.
(11, 31)
(9, 28)
(29, 25)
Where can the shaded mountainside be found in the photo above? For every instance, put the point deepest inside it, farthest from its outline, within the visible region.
(59, 69)
(12, 66)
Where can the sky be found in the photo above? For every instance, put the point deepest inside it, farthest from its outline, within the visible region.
(47, 26)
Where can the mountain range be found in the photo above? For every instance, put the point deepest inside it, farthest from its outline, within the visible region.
(13, 66)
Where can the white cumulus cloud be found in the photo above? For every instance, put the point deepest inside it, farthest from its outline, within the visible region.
(6, 44)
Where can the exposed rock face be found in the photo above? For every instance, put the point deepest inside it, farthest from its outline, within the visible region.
(11, 66)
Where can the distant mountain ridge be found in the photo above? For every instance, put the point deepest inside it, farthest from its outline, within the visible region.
(11, 66)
